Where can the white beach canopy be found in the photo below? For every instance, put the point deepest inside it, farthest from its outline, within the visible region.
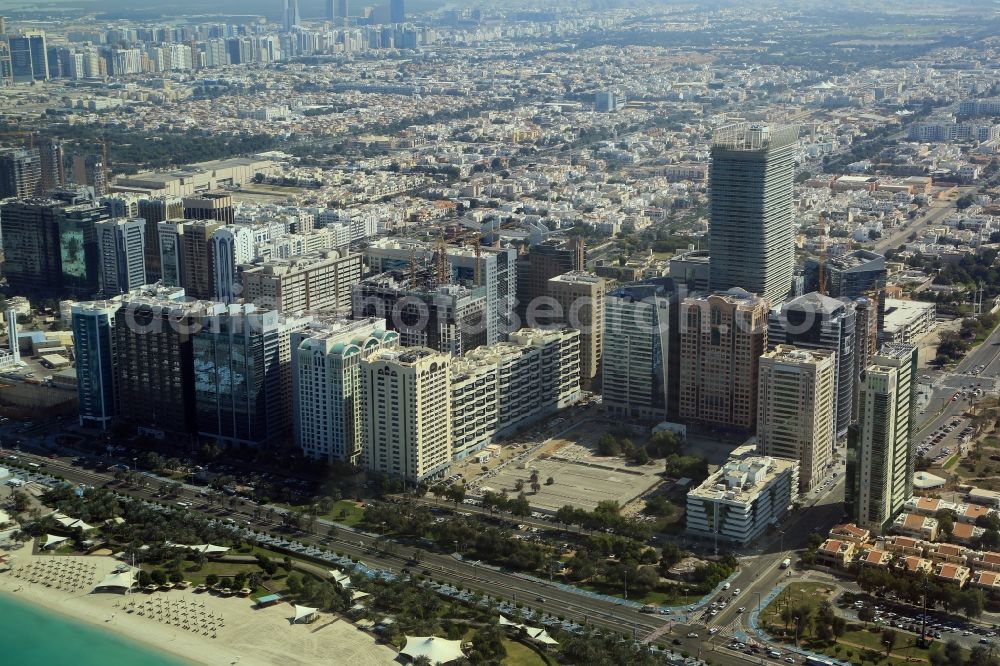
(504, 622)
(303, 613)
(116, 581)
(438, 650)
(358, 594)
(541, 636)
(340, 578)
(51, 541)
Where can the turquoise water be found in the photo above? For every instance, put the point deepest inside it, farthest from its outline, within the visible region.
(29, 635)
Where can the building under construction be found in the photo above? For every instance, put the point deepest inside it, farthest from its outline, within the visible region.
(424, 310)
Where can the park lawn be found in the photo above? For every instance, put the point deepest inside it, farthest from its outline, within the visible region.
(811, 593)
(654, 597)
(345, 512)
(905, 651)
(519, 654)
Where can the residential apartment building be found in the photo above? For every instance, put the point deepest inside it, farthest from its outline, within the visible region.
(317, 282)
(407, 413)
(722, 338)
(543, 262)
(196, 257)
(815, 321)
(326, 386)
(216, 206)
(795, 409)
(580, 298)
(20, 173)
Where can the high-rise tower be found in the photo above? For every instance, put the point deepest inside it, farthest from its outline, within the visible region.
(880, 449)
(750, 212)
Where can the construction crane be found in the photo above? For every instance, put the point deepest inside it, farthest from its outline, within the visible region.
(441, 262)
(30, 135)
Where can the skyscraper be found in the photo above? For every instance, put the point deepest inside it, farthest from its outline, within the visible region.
(196, 257)
(397, 11)
(20, 173)
(342, 9)
(640, 340)
(216, 206)
(408, 430)
(79, 251)
(544, 261)
(326, 386)
(795, 417)
(722, 339)
(860, 274)
(242, 381)
(29, 57)
(31, 246)
(232, 246)
(815, 321)
(750, 209)
(154, 337)
(880, 447)
(170, 235)
(122, 247)
(95, 349)
(155, 211)
(53, 170)
(291, 15)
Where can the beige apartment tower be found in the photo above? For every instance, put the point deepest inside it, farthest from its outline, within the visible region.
(407, 412)
(196, 257)
(581, 299)
(795, 409)
(319, 281)
(722, 338)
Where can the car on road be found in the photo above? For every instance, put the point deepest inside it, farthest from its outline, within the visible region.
(713, 631)
(741, 609)
(692, 634)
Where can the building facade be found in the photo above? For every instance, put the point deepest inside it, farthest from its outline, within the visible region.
(95, 347)
(122, 247)
(815, 321)
(742, 499)
(580, 300)
(639, 369)
(407, 410)
(317, 282)
(880, 452)
(750, 209)
(795, 409)
(722, 338)
(326, 386)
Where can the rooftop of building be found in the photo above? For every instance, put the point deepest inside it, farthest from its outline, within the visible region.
(741, 480)
(407, 355)
(292, 264)
(578, 277)
(754, 136)
(859, 259)
(798, 356)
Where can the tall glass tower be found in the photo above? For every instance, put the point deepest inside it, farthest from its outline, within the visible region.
(750, 213)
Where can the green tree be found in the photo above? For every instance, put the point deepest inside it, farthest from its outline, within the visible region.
(158, 576)
(888, 639)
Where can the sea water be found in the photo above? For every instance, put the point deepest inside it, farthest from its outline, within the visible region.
(30, 635)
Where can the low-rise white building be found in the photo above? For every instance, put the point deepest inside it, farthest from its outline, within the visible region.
(905, 321)
(743, 498)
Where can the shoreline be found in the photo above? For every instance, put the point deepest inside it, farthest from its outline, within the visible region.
(90, 622)
(244, 634)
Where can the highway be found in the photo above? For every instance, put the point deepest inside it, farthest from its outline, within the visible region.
(938, 210)
(443, 567)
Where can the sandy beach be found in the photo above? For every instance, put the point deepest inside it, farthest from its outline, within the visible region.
(243, 635)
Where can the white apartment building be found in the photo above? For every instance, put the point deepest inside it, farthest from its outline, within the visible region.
(407, 406)
(496, 389)
(326, 386)
(795, 409)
